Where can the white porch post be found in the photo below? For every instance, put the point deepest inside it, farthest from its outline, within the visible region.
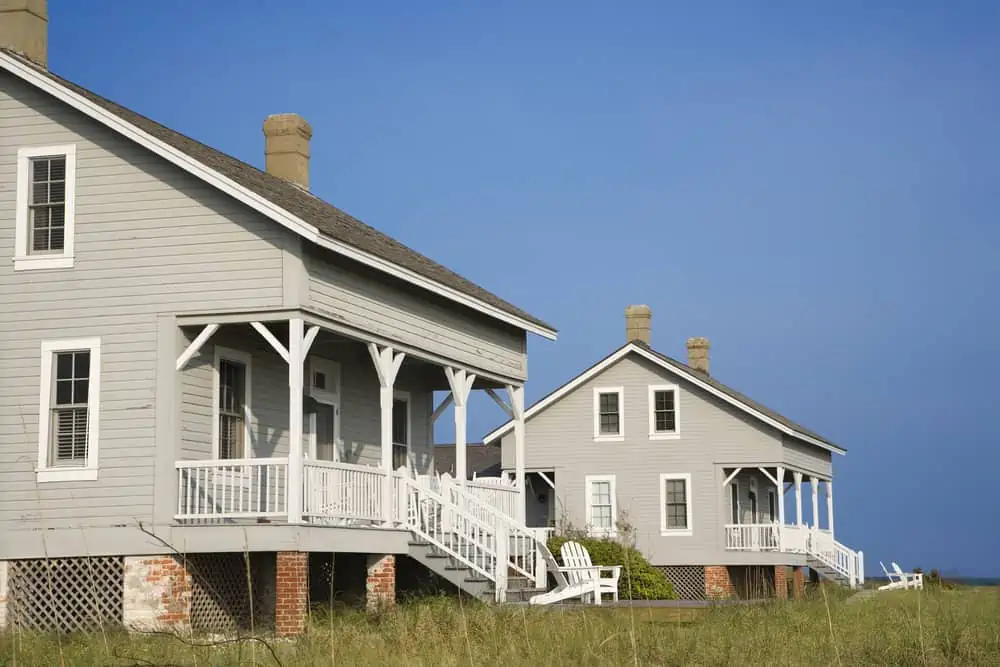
(387, 363)
(797, 476)
(461, 386)
(780, 492)
(516, 395)
(829, 505)
(814, 484)
(296, 334)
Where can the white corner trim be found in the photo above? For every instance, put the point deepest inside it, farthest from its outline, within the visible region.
(591, 530)
(45, 472)
(624, 351)
(664, 435)
(23, 259)
(247, 360)
(676, 532)
(255, 201)
(607, 437)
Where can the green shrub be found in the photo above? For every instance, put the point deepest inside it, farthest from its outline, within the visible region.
(639, 580)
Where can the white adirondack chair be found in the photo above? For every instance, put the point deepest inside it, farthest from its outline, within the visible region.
(568, 585)
(899, 580)
(580, 568)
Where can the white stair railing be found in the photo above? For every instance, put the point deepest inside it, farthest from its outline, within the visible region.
(842, 559)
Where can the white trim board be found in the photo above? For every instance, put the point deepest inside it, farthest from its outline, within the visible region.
(632, 347)
(255, 201)
(688, 505)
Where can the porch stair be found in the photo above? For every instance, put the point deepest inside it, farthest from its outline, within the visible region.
(827, 572)
(476, 547)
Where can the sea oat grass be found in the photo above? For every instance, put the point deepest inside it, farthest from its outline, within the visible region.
(935, 627)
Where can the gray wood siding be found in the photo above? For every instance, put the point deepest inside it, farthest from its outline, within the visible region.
(561, 437)
(808, 457)
(359, 403)
(362, 299)
(149, 239)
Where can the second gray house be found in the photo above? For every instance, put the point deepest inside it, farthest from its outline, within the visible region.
(698, 471)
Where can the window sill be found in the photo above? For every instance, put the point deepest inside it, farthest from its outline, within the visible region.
(665, 436)
(32, 263)
(602, 534)
(609, 438)
(676, 533)
(66, 474)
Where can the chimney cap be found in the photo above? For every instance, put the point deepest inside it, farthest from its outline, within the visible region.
(638, 323)
(287, 123)
(697, 341)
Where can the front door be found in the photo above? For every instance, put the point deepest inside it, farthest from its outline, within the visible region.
(324, 431)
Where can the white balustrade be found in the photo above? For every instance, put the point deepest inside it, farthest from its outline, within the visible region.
(794, 538)
(343, 492)
(753, 537)
(231, 489)
(496, 492)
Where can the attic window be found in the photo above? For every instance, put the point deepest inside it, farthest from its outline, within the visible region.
(663, 423)
(44, 221)
(609, 413)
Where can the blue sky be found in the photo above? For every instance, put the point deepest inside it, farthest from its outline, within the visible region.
(814, 189)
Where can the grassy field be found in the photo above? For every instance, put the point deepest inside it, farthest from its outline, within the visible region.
(939, 627)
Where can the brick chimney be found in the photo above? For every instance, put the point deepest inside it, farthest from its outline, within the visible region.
(24, 27)
(286, 147)
(698, 354)
(638, 322)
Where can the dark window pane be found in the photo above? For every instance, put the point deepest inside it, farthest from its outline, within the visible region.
(319, 380)
(81, 364)
(57, 169)
(40, 193)
(64, 365)
(40, 170)
(609, 402)
(64, 392)
(81, 390)
(57, 192)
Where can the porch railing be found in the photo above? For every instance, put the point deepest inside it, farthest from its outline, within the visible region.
(496, 492)
(343, 492)
(232, 489)
(753, 537)
(794, 538)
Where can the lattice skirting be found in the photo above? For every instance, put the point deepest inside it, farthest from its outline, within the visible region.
(66, 594)
(227, 593)
(688, 580)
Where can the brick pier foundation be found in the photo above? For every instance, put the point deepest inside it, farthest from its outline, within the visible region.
(156, 594)
(380, 585)
(798, 581)
(718, 584)
(291, 592)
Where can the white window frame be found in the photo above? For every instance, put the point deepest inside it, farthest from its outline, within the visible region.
(664, 435)
(246, 359)
(400, 395)
(23, 259)
(676, 532)
(738, 506)
(89, 472)
(591, 529)
(598, 436)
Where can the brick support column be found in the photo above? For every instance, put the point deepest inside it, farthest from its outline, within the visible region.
(798, 581)
(717, 583)
(380, 585)
(291, 592)
(781, 582)
(3, 595)
(156, 594)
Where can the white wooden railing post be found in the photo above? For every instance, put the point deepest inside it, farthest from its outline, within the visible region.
(445, 491)
(541, 572)
(502, 537)
(861, 568)
(829, 506)
(780, 493)
(797, 476)
(387, 363)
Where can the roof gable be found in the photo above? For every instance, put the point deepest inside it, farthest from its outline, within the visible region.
(285, 203)
(685, 372)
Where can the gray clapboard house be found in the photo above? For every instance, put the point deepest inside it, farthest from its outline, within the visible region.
(200, 358)
(698, 471)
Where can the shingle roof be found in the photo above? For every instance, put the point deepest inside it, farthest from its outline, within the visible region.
(484, 460)
(329, 219)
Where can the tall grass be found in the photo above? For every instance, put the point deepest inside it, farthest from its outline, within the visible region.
(960, 627)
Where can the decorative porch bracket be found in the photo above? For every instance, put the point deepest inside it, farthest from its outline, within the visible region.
(439, 410)
(270, 338)
(546, 479)
(196, 345)
(299, 343)
(732, 475)
(387, 362)
(460, 382)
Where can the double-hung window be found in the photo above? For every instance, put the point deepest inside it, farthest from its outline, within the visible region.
(400, 430)
(44, 218)
(675, 504)
(663, 412)
(609, 413)
(232, 405)
(601, 504)
(69, 406)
